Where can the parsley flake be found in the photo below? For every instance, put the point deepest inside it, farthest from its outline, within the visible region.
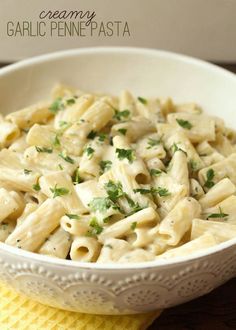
(155, 172)
(36, 187)
(175, 148)
(143, 191)
(135, 206)
(122, 131)
(105, 165)
(153, 143)
(59, 191)
(96, 228)
(120, 115)
(57, 105)
(160, 191)
(184, 123)
(107, 219)
(114, 190)
(101, 204)
(92, 134)
(72, 216)
(70, 101)
(133, 225)
(163, 192)
(209, 178)
(193, 165)
(125, 153)
(108, 246)
(26, 171)
(218, 215)
(102, 137)
(142, 100)
(56, 142)
(64, 124)
(68, 159)
(44, 149)
(89, 152)
(76, 176)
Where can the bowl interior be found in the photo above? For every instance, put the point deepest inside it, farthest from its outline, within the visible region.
(144, 72)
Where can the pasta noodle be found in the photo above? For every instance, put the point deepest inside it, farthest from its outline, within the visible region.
(36, 228)
(57, 244)
(99, 178)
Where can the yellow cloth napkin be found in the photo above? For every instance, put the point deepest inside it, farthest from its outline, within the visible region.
(20, 313)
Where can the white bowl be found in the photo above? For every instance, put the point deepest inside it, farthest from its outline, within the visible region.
(126, 288)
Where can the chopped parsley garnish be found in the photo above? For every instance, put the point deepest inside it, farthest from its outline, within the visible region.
(193, 165)
(153, 142)
(64, 124)
(108, 246)
(114, 190)
(44, 149)
(89, 152)
(184, 123)
(59, 191)
(57, 105)
(144, 191)
(163, 192)
(27, 172)
(68, 159)
(120, 115)
(96, 228)
(111, 141)
(175, 148)
(105, 165)
(122, 131)
(76, 176)
(142, 100)
(160, 191)
(218, 215)
(125, 153)
(101, 204)
(70, 101)
(36, 187)
(134, 205)
(56, 142)
(209, 178)
(102, 137)
(60, 167)
(72, 216)
(92, 134)
(107, 219)
(133, 225)
(155, 172)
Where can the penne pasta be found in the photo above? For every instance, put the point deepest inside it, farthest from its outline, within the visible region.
(178, 222)
(221, 231)
(85, 249)
(197, 245)
(94, 177)
(32, 232)
(38, 113)
(57, 244)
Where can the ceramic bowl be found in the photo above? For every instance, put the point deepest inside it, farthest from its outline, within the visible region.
(119, 288)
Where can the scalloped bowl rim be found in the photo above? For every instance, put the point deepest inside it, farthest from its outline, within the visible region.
(116, 266)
